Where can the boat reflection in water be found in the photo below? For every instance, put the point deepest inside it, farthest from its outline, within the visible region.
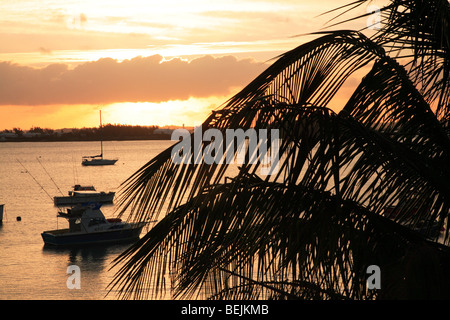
(1, 213)
(88, 225)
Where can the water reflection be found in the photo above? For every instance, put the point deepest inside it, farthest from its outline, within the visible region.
(30, 270)
(86, 252)
(95, 263)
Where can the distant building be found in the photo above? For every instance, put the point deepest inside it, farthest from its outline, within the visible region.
(162, 131)
(59, 132)
(31, 134)
(8, 135)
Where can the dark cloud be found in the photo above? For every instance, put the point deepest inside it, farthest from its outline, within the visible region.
(142, 79)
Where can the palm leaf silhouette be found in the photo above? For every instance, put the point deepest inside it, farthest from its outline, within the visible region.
(311, 229)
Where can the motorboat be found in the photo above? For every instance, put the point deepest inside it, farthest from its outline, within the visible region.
(98, 160)
(82, 194)
(88, 225)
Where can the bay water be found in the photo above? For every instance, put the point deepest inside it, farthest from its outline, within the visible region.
(31, 173)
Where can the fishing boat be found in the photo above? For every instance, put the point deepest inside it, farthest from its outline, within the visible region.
(83, 194)
(88, 225)
(98, 160)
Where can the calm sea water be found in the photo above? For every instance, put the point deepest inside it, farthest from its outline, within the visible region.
(30, 270)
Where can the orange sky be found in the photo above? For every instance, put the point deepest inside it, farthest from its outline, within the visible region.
(140, 62)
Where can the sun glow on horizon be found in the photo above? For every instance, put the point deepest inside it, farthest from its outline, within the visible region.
(56, 36)
(175, 112)
(168, 113)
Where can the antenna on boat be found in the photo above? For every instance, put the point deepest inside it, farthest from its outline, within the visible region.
(74, 171)
(101, 135)
(35, 179)
(50, 176)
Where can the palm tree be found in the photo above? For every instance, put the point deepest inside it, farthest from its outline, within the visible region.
(312, 229)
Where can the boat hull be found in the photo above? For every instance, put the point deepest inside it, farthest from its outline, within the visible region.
(63, 237)
(72, 200)
(99, 162)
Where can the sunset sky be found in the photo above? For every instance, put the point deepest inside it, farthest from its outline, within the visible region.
(140, 62)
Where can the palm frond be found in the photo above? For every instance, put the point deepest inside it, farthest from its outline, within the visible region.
(297, 236)
(311, 229)
(309, 75)
(417, 32)
(399, 125)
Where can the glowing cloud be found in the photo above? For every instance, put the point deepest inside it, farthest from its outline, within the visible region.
(141, 79)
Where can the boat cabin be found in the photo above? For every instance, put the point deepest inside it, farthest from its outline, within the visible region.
(84, 218)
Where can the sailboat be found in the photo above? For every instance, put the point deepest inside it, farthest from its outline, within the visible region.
(98, 160)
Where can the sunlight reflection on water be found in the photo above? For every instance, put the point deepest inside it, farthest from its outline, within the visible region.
(30, 270)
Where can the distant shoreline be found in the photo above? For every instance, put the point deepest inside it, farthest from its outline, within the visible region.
(62, 139)
(107, 132)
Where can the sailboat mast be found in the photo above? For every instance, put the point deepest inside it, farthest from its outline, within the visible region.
(94, 160)
(101, 135)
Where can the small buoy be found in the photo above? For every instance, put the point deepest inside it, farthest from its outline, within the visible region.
(19, 219)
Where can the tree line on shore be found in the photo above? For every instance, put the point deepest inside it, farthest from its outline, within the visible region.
(107, 132)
